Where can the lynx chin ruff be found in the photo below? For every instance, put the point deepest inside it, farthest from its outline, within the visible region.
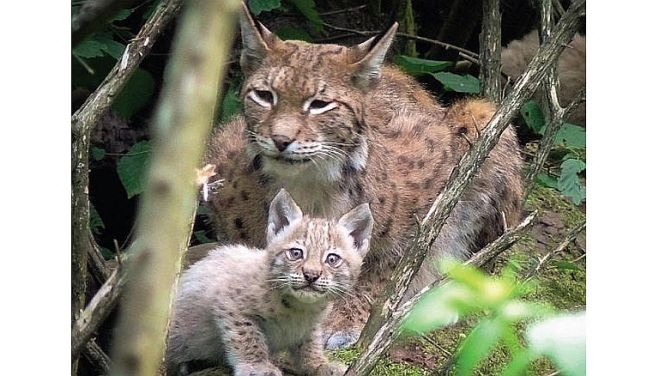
(241, 305)
(337, 127)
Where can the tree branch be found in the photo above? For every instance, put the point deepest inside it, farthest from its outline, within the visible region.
(385, 309)
(490, 51)
(182, 123)
(97, 357)
(93, 15)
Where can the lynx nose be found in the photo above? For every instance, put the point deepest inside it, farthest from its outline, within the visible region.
(311, 275)
(281, 142)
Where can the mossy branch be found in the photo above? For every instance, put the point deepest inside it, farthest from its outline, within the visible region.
(182, 123)
(383, 323)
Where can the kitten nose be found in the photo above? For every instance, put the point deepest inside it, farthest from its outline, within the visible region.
(281, 142)
(311, 275)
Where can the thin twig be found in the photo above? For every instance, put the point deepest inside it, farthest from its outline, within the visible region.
(569, 238)
(341, 11)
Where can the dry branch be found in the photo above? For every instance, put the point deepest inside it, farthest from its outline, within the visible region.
(97, 357)
(385, 314)
(92, 15)
(182, 123)
(569, 238)
(389, 330)
(490, 51)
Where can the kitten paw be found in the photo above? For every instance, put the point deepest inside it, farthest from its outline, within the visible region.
(331, 369)
(341, 340)
(258, 369)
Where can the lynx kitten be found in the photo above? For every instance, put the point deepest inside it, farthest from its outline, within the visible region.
(241, 305)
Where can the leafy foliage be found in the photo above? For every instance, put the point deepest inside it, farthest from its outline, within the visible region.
(416, 66)
(533, 116)
(136, 94)
(461, 84)
(290, 32)
(258, 6)
(95, 222)
(131, 168)
(569, 182)
(308, 10)
(230, 103)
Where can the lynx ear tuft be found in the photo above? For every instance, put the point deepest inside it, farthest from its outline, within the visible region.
(369, 57)
(283, 212)
(359, 223)
(257, 41)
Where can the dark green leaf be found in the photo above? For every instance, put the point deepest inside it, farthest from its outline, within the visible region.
(291, 32)
(308, 10)
(477, 345)
(547, 180)
(89, 48)
(201, 237)
(131, 168)
(136, 94)
(416, 66)
(569, 182)
(533, 117)
(460, 84)
(97, 153)
(258, 6)
(121, 15)
(95, 222)
(230, 104)
(572, 136)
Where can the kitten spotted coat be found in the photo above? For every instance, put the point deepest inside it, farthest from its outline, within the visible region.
(335, 126)
(242, 305)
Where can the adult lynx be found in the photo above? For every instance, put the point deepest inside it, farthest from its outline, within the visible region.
(335, 127)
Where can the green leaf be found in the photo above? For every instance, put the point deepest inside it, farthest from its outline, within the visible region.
(565, 265)
(131, 168)
(572, 136)
(230, 104)
(439, 307)
(416, 66)
(533, 117)
(519, 363)
(201, 237)
(97, 153)
(569, 182)
(121, 15)
(258, 6)
(477, 345)
(291, 32)
(547, 180)
(308, 10)
(95, 222)
(458, 83)
(563, 340)
(89, 48)
(136, 94)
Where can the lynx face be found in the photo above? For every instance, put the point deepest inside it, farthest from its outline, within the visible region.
(303, 102)
(315, 259)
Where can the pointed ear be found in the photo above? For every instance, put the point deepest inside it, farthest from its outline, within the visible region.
(283, 212)
(369, 57)
(257, 40)
(359, 223)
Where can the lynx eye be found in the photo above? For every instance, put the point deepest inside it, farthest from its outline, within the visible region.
(264, 98)
(294, 254)
(316, 106)
(333, 260)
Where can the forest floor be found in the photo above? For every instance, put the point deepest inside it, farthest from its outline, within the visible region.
(562, 286)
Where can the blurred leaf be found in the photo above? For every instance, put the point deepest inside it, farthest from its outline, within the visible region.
(291, 32)
(258, 6)
(95, 222)
(569, 182)
(201, 237)
(230, 104)
(416, 66)
(547, 180)
(136, 94)
(308, 9)
(519, 363)
(97, 153)
(563, 340)
(477, 345)
(565, 265)
(121, 15)
(533, 116)
(439, 307)
(131, 168)
(572, 136)
(458, 83)
(89, 48)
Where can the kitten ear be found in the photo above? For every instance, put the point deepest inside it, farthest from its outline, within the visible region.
(283, 212)
(257, 41)
(359, 223)
(369, 57)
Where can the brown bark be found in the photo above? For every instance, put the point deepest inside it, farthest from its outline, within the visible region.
(490, 51)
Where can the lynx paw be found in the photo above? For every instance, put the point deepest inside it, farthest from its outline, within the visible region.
(331, 369)
(258, 369)
(341, 339)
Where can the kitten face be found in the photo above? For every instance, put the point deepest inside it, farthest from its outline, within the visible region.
(314, 260)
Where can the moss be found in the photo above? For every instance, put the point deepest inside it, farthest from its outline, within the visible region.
(544, 198)
(385, 367)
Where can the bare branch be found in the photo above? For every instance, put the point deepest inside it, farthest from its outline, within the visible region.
(569, 238)
(92, 15)
(97, 357)
(182, 122)
(490, 51)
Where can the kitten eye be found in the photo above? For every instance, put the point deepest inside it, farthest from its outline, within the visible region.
(294, 254)
(333, 260)
(264, 98)
(317, 106)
